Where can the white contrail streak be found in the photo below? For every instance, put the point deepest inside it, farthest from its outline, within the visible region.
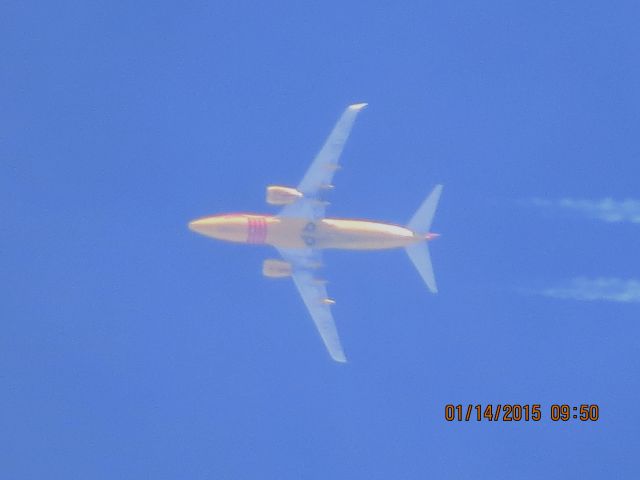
(607, 209)
(592, 289)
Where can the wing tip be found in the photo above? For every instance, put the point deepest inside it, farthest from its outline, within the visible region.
(340, 358)
(358, 106)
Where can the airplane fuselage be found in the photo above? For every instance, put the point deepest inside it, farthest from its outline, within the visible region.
(288, 232)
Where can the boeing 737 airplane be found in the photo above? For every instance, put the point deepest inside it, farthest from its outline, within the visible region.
(301, 231)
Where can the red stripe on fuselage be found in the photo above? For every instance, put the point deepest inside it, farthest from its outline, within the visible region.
(252, 230)
(263, 230)
(249, 229)
(256, 230)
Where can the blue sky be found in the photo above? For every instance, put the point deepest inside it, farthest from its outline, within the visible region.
(133, 348)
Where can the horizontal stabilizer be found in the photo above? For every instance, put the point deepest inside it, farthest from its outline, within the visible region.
(422, 219)
(419, 255)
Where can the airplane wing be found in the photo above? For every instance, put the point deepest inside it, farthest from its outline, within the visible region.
(320, 173)
(311, 207)
(314, 294)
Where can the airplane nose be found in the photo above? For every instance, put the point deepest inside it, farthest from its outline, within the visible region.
(223, 227)
(196, 225)
(432, 236)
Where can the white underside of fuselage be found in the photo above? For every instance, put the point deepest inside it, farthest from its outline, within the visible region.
(353, 235)
(291, 232)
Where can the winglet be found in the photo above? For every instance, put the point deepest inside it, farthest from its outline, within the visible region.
(358, 106)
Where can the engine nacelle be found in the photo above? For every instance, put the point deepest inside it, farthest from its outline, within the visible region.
(277, 195)
(276, 268)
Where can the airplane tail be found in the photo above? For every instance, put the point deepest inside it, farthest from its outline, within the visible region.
(420, 224)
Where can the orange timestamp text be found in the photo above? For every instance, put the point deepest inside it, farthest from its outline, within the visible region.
(514, 412)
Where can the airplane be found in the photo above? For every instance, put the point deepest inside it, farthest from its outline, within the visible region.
(300, 231)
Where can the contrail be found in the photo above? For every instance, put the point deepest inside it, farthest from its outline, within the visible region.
(593, 289)
(607, 209)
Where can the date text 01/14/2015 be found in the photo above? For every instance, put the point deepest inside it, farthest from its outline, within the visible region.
(520, 412)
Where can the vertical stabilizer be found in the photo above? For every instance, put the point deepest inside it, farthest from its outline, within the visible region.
(420, 224)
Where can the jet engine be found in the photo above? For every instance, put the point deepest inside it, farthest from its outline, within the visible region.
(276, 268)
(277, 195)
